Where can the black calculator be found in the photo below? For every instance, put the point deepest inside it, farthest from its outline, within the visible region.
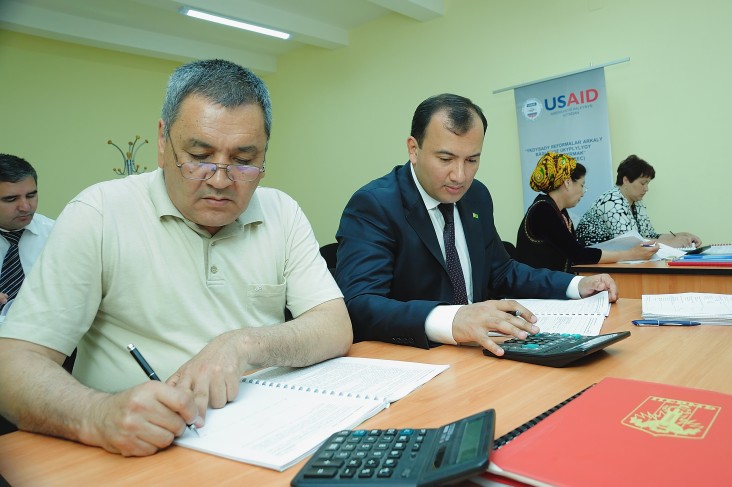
(402, 457)
(556, 349)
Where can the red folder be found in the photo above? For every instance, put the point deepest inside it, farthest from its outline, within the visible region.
(700, 263)
(626, 432)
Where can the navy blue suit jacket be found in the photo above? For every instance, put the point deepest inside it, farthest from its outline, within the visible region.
(390, 266)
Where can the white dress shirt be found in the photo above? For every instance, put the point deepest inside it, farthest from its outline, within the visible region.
(32, 241)
(29, 247)
(438, 325)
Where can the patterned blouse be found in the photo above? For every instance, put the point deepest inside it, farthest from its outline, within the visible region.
(611, 216)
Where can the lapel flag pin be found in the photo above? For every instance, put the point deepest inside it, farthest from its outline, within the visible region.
(475, 215)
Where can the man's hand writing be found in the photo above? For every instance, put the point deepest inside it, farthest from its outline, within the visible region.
(141, 420)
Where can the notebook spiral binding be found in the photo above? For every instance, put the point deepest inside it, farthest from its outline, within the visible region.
(499, 442)
(317, 390)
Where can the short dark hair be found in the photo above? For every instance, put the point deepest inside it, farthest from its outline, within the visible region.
(460, 111)
(578, 172)
(14, 169)
(222, 82)
(633, 167)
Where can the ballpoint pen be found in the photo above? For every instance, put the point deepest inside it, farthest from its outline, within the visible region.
(151, 374)
(665, 323)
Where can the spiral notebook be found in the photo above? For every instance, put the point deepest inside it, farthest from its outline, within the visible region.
(514, 433)
(622, 432)
(283, 414)
(495, 476)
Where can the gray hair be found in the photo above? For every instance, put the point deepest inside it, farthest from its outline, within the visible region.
(222, 82)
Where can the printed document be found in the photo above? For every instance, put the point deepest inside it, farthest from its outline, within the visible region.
(283, 414)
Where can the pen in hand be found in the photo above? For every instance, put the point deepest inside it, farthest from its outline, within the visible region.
(151, 374)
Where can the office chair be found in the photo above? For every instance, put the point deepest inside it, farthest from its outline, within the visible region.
(6, 427)
(510, 249)
(69, 362)
(328, 251)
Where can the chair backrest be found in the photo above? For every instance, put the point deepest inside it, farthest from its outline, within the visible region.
(510, 249)
(328, 251)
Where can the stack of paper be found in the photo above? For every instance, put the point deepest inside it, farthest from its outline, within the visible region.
(581, 316)
(632, 239)
(718, 249)
(706, 308)
(700, 260)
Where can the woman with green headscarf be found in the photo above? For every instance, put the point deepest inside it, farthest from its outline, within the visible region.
(546, 237)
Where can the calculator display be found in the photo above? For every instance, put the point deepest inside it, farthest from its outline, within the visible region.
(402, 457)
(471, 440)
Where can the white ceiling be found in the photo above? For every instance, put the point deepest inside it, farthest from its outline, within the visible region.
(155, 28)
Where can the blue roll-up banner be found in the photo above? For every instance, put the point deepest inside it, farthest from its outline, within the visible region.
(566, 115)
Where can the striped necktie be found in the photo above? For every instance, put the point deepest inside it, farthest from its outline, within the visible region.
(11, 276)
(454, 269)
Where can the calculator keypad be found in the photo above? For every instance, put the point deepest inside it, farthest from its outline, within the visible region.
(556, 349)
(544, 342)
(365, 454)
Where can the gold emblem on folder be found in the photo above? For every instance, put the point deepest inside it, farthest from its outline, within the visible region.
(660, 416)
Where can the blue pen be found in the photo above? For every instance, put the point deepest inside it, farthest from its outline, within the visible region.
(665, 323)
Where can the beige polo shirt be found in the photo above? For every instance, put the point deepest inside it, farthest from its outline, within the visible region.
(124, 266)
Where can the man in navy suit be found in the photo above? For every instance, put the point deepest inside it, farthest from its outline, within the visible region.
(391, 262)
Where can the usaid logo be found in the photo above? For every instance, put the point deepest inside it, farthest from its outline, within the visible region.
(565, 101)
(531, 109)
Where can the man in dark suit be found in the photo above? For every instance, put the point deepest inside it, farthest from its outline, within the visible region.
(400, 273)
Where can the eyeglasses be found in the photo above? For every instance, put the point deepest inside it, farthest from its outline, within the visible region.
(201, 171)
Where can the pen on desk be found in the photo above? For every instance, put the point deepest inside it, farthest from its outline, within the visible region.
(665, 323)
(151, 374)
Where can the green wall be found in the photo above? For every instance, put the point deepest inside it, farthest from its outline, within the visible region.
(341, 118)
(347, 113)
(60, 103)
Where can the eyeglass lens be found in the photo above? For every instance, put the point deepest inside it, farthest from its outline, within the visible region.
(206, 170)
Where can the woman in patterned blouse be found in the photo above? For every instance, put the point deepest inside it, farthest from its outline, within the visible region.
(546, 236)
(620, 210)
